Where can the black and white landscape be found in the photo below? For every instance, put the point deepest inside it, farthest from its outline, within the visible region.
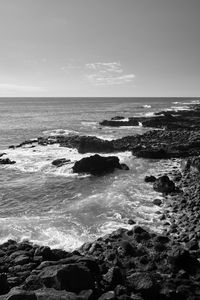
(99, 150)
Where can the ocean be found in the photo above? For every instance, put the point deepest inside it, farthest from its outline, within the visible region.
(55, 207)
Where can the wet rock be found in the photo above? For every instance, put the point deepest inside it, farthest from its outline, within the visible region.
(60, 162)
(164, 185)
(157, 202)
(7, 161)
(150, 178)
(131, 222)
(124, 167)
(97, 165)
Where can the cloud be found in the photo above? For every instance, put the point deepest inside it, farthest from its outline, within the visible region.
(107, 74)
(17, 88)
(114, 67)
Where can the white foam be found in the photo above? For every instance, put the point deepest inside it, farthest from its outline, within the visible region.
(149, 114)
(39, 159)
(89, 123)
(124, 120)
(146, 106)
(56, 132)
(178, 108)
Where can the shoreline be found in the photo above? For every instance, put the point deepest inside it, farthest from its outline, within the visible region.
(126, 264)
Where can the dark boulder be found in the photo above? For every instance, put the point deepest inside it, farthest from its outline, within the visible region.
(164, 185)
(7, 161)
(71, 277)
(4, 287)
(60, 162)
(180, 258)
(150, 178)
(157, 202)
(97, 165)
(1, 154)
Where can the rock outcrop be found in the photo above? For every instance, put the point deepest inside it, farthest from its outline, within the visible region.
(164, 185)
(98, 165)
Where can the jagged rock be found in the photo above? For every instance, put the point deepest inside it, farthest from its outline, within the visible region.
(164, 185)
(97, 165)
(60, 162)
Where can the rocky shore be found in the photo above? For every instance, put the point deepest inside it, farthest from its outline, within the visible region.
(127, 264)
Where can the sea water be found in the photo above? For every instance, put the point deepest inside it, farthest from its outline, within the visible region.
(56, 207)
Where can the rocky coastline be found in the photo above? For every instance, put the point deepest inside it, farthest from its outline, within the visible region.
(127, 264)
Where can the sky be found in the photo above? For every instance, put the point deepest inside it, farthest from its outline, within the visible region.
(104, 48)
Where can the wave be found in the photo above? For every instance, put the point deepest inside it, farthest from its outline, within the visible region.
(90, 123)
(146, 106)
(149, 114)
(179, 108)
(39, 159)
(56, 132)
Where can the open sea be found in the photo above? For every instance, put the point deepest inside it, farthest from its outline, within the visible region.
(55, 207)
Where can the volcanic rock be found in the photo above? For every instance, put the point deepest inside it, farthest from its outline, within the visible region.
(164, 185)
(97, 165)
(150, 178)
(7, 161)
(60, 162)
(72, 277)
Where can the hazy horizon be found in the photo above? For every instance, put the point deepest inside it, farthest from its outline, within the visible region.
(99, 48)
